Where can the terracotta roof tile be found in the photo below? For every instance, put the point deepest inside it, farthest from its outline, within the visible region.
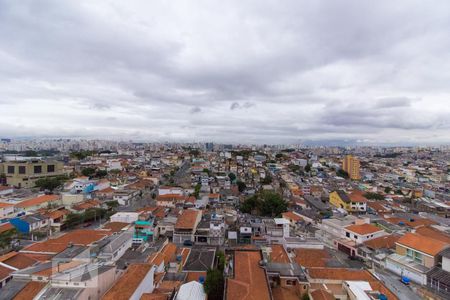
(321, 295)
(363, 229)
(422, 243)
(311, 257)
(383, 242)
(30, 290)
(5, 227)
(77, 237)
(279, 254)
(37, 201)
(250, 281)
(20, 261)
(433, 233)
(292, 216)
(115, 226)
(188, 219)
(128, 283)
(5, 272)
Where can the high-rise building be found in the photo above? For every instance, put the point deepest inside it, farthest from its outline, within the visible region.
(351, 166)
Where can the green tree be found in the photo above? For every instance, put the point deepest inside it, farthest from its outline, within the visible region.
(101, 173)
(112, 204)
(308, 168)
(267, 203)
(267, 180)
(272, 204)
(232, 177)
(373, 196)
(88, 172)
(6, 237)
(214, 284)
(197, 190)
(49, 183)
(220, 261)
(249, 204)
(73, 219)
(387, 189)
(342, 173)
(241, 186)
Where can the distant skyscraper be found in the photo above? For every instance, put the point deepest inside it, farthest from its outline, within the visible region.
(209, 147)
(351, 166)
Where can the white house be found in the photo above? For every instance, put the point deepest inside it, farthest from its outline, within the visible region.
(363, 232)
(6, 209)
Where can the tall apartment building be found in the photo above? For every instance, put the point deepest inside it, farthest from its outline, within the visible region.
(24, 173)
(351, 166)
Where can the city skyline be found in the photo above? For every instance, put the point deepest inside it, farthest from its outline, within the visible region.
(345, 73)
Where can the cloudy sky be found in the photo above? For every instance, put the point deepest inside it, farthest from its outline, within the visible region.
(239, 71)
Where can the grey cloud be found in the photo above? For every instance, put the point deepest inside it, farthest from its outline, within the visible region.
(304, 71)
(393, 102)
(195, 110)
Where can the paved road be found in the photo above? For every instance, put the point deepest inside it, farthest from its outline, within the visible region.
(392, 282)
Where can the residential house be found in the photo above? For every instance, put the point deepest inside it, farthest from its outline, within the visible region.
(415, 255)
(33, 204)
(354, 202)
(32, 224)
(6, 210)
(247, 279)
(186, 226)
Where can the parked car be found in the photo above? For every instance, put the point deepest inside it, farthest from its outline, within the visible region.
(187, 243)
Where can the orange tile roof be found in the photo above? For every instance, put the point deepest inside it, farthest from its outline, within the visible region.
(39, 257)
(184, 255)
(422, 243)
(115, 226)
(195, 276)
(87, 204)
(19, 261)
(250, 281)
(57, 214)
(30, 290)
(37, 201)
(5, 227)
(279, 255)
(291, 216)
(321, 295)
(7, 256)
(128, 283)
(357, 196)
(5, 272)
(77, 237)
(154, 296)
(340, 274)
(188, 219)
(363, 229)
(285, 293)
(386, 242)
(4, 205)
(433, 233)
(310, 258)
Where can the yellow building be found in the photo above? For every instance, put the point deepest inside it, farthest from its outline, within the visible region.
(354, 202)
(24, 173)
(351, 166)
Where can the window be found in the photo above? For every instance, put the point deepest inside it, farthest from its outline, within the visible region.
(37, 169)
(418, 257)
(410, 253)
(347, 234)
(355, 236)
(11, 169)
(50, 168)
(22, 169)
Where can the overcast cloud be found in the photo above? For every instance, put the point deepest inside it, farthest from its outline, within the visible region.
(226, 71)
